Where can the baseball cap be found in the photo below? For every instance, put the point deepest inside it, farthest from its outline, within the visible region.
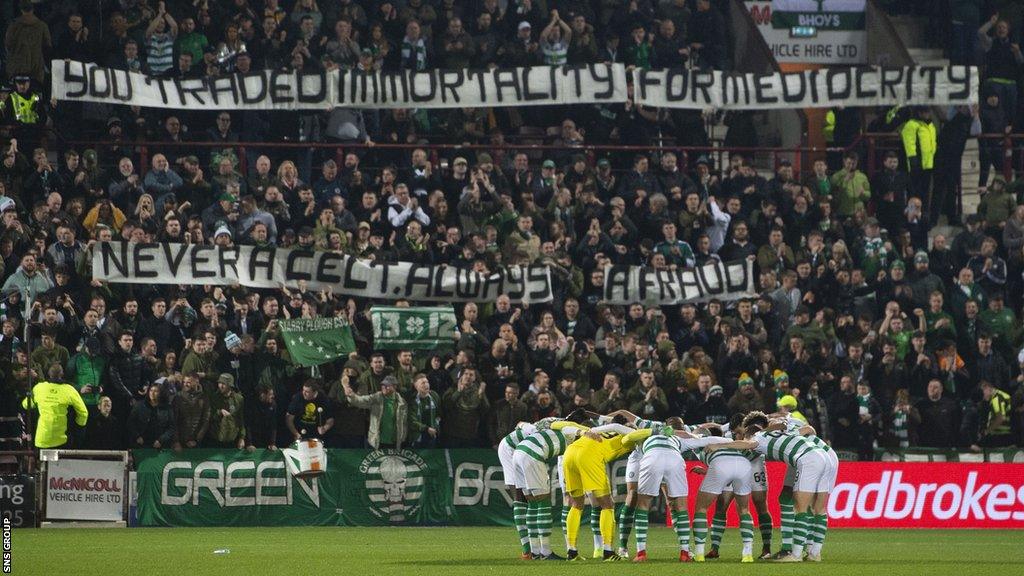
(548, 164)
(484, 158)
(604, 162)
(524, 24)
(226, 379)
(227, 197)
(7, 203)
(459, 160)
(364, 225)
(389, 381)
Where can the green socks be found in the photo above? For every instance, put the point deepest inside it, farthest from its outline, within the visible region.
(626, 516)
(519, 517)
(681, 524)
(717, 528)
(786, 504)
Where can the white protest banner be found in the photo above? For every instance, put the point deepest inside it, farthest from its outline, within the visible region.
(813, 31)
(665, 287)
(291, 90)
(85, 490)
(824, 88)
(272, 267)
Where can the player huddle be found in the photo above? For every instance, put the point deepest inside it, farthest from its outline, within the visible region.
(581, 446)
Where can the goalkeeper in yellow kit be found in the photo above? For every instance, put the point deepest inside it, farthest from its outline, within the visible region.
(585, 472)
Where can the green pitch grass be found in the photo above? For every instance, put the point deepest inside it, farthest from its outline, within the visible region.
(475, 551)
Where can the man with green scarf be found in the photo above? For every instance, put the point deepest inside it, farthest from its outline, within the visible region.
(388, 413)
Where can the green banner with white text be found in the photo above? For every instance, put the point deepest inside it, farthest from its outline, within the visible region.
(360, 488)
(407, 328)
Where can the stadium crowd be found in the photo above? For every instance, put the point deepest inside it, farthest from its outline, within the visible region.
(880, 331)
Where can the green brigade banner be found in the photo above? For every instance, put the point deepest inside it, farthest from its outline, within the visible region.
(423, 328)
(360, 488)
(315, 341)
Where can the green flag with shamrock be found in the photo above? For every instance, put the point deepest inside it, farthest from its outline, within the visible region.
(315, 341)
(420, 328)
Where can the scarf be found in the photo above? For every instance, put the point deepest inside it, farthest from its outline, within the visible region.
(899, 428)
(426, 410)
(414, 54)
(863, 404)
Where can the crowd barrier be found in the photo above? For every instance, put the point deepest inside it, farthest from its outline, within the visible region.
(466, 487)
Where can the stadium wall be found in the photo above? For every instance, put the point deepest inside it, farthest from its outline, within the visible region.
(466, 487)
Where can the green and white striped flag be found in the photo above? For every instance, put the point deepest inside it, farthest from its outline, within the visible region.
(422, 328)
(315, 341)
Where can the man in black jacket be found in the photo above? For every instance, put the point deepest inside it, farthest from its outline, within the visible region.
(843, 415)
(951, 142)
(940, 418)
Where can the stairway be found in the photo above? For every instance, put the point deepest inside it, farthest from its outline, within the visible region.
(913, 31)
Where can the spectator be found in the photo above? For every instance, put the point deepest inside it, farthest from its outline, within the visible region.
(389, 414)
(227, 409)
(160, 36)
(506, 414)
(995, 432)
(87, 371)
(309, 413)
(151, 424)
(850, 187)
(191, 415)
(464, 408)
(26, 42)
(425, 414)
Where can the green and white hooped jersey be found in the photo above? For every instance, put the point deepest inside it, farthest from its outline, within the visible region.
(516, 436)
(793, 426)
(644, 424)
(545, 445)
(660, 442)
(784, 447)
(545, 423)
(677, 444)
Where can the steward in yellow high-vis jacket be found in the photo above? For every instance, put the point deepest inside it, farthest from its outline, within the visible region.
(919, 145)
(52, 400)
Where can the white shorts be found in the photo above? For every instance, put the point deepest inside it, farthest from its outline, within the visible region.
(728, 473)
(833, 470)
(558, 473)
(758, 475)
(508, 467)
(790, 478)
(531, 475)
(812, 472)
(633, 466)
(662, 466)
